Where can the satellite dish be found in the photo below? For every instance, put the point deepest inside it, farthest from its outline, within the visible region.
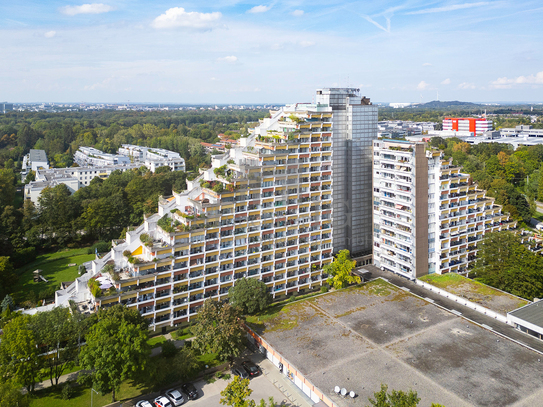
(344, 392)
(336, 389)
(352, 394)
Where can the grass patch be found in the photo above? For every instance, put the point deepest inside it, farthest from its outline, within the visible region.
(376, 287)
(156, 341)
(452, 280)
(51, 397)
(182, 334)
(209, 360)
(281, 317)
(54, 268)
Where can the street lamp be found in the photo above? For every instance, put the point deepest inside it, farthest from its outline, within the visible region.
(92, 390)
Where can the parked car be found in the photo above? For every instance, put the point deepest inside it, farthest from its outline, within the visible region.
(143, 403)
(190, 391)
(162, 401)
(252, 369)
(175, 396)
(240, 371)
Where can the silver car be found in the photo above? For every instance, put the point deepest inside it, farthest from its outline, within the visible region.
(175, 396)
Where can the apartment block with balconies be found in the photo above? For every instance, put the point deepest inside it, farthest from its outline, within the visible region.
(264, 210)
(428, 216)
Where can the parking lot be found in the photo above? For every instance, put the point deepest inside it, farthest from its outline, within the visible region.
(209, 393)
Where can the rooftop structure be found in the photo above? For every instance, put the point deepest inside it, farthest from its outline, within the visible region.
(428, 216)
(528, 319)
(73, 177)
(364, 336)
(90, 156)
(153, 158)
(33, 161)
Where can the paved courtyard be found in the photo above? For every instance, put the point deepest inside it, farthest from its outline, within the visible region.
(377, 333)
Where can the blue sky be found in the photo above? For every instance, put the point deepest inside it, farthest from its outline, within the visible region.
(230, 51)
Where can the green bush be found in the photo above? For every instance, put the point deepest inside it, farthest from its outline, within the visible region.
(100, 247)
(23, 256)
(324, 289)
(67, 392)
(168, 349)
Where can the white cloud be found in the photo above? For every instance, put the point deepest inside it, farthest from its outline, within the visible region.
(427, 64)
(446, 82)
(259, 9)
(422, 85)
(505, 83)
(178, 17)
(466, 85)
(230, 59)
(94, 8)
(50, 34)
(298, 13)
(306, 44)
(452, 7)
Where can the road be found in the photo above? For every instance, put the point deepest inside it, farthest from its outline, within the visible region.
(474, 316)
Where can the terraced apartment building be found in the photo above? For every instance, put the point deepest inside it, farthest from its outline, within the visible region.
(428, 216)
(264, 210)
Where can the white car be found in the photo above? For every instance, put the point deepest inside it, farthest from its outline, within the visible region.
(143, 403)
(175, 396)
(162, 401)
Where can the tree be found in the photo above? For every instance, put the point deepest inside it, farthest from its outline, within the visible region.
(394, 399)
(7, 277)
(250, 295)
(7, 304)
(236, 393)
(19, 358)
(340, 270)
(116, 348)
(504, 262)
(10, 395)
(218, 329)
(57, 335)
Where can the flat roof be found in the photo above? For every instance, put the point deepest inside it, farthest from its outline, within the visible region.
(377, 333)
(38, 156)
(531, 313)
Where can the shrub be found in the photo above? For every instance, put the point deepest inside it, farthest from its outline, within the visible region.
(127, 253)
(23, 256)
(144, 237)
(218, 188)
(324, 289)
(168, 349)
(67, 392)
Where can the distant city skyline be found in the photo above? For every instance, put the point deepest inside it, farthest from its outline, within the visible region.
(239, 52)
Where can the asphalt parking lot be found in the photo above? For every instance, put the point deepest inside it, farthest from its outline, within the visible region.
(209, 393)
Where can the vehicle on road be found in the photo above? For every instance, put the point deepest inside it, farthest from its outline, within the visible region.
(162, 401)
(252, 369)
(190, 391)
(144, 403)
(239, 371)
(175, 396)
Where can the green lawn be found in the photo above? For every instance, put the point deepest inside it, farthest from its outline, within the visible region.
(82, 396)
(182, 334)
(156, 341)
(54, 268)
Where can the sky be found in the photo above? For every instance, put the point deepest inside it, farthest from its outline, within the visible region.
(281, 51)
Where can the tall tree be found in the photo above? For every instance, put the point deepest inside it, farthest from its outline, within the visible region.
(249, 295)
(218, 329)
(340, 270)
(7, 276)
(19, 357)
(116, 348)
(57, 335)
